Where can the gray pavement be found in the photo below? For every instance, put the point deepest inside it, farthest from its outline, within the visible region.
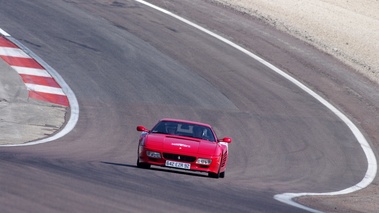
(23, 119)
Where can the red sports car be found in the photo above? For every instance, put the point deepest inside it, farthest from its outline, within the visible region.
(184, 145)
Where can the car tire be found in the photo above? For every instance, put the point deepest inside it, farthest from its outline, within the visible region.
(213, 175)
(222, 174)
(143, 165)
(218, 174)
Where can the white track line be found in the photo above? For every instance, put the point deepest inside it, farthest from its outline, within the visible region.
(13, 52)
(44, 89)
(31, 71)
(288, 197)
(4, 33)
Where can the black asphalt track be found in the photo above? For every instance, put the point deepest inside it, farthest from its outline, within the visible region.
(131, 65)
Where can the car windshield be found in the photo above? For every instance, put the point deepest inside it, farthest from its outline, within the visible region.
(184, 129)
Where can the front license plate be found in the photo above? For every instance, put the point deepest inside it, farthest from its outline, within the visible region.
(178, 165)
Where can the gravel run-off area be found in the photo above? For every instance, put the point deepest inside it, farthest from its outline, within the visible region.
(347, 30)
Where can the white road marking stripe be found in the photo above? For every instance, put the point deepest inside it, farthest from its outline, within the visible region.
(3, 32)
(31, 71)
(288, 197)
(13, 52)
(45, 89)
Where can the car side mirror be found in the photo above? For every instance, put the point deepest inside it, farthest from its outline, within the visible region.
(142, 129)
(226, 140)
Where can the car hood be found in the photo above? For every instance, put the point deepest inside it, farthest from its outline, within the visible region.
(179, 144)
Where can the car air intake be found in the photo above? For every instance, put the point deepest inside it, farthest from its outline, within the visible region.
(176, 157)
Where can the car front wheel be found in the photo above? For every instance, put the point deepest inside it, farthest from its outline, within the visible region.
(143, 165)
(222, 174)
(213, 175)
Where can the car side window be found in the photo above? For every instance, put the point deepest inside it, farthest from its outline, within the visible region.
(159, 128)
(209, 135)
(203, 133)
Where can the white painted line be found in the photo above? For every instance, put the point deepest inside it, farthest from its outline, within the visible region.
(13, 52)
(287, 197)
(31, 71)
(45, 89)
(3, 32)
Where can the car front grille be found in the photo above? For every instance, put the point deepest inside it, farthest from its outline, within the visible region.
(183, 158)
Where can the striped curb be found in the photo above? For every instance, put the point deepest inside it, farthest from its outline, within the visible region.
(39, 83)
(42, 81)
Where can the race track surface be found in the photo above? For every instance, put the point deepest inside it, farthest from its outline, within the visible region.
(131, 65)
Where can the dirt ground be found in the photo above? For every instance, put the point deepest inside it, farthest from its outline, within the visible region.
(346, 29)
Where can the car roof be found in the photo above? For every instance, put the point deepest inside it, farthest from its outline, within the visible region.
(186, 121)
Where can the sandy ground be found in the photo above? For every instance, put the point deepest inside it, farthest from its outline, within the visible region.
(346, 29)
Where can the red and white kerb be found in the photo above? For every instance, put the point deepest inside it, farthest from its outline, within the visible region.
(40, 84)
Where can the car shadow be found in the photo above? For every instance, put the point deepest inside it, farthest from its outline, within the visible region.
(118, 164)
(161, 169)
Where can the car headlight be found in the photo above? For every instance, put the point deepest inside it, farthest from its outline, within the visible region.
(153, 154)
(204, 161)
